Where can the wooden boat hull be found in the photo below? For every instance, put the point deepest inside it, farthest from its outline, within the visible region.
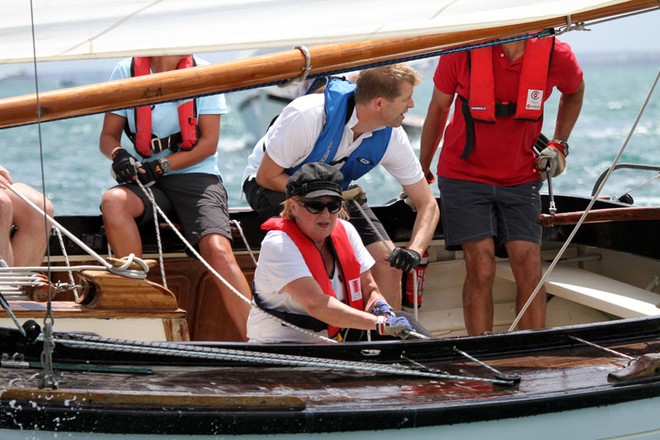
(561, 378)
(623, 245)
(161, 389)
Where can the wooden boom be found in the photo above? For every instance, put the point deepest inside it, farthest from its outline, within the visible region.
(602, 215)
(260, 70)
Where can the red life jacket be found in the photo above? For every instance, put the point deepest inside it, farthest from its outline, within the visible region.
(187, 137)
(347, 263)
(531, 85)
(481, 106)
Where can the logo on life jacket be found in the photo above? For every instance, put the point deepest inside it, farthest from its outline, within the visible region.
(534, 100)
(354, 290)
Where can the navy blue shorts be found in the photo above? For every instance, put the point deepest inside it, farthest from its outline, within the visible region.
(197, 201)
(472, 211)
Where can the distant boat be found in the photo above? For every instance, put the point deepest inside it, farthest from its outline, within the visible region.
(6, 74)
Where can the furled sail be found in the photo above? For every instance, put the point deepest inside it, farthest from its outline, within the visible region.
(354, 33)
(88, 29)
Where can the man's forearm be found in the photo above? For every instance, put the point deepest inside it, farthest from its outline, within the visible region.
(424, 227)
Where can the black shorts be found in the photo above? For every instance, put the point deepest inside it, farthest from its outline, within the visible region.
(267, 203)
(472, 211)
(197, 200)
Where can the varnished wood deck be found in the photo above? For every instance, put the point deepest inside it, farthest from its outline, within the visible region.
(161, 393)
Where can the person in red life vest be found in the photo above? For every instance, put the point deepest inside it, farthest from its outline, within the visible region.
(173, 151)
(23, 231)
(488, 174)
(354, 127)
(314, 271)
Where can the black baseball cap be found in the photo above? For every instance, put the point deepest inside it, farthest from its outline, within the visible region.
(313, 180)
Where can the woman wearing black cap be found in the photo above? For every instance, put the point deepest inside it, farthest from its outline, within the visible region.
(314, 271)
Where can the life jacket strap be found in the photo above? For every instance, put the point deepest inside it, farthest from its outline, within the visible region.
(502, 109)
(171, 142)
(303, 321)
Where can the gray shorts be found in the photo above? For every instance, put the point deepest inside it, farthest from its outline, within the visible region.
(197, 201)
(472, 211)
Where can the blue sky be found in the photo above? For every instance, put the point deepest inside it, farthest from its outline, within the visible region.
(640, 33)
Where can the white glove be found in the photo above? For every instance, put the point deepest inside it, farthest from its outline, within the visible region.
(551, 160)
(354, 192)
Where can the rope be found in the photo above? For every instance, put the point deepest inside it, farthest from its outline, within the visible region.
(67, 263)
(191, 247)
(237, 224)
(212, 353)
(55, 224)
(210, 268)
(586, 211)
(389, 248)
(161, 261)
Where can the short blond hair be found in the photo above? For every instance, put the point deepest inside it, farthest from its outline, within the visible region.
(384, 81)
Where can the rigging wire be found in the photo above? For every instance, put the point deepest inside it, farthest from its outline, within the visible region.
(643, 184)
(595, 196)
(46, 356)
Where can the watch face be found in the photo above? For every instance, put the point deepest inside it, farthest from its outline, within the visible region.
(165, 164)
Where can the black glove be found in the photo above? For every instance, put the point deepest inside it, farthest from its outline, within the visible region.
(382, 308)
(152, 171)
(123, 166)
(405, 259)
(393, 326)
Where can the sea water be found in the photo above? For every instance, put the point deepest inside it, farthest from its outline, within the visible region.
(62, 159)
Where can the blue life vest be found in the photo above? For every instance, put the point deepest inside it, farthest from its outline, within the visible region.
(338, 97)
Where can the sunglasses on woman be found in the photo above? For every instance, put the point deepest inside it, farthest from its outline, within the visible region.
(316, 207)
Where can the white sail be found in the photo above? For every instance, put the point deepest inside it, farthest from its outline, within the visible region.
(88, 29)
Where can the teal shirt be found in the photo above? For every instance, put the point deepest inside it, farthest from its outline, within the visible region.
(165, 120)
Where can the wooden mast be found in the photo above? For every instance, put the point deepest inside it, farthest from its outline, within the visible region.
(251, 72)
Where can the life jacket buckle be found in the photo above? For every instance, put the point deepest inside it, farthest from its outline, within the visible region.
(157, 144)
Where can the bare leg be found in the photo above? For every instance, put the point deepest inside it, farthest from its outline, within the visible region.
(6, 214)
(120, 207)
(216, 250)
(387, 277)
(477, 290)
(32, 229)
(525, 260)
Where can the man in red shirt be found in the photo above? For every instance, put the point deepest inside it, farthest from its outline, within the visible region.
(488, 174)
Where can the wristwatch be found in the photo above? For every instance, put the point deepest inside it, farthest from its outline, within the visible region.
(165, 165)
(564, 145)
